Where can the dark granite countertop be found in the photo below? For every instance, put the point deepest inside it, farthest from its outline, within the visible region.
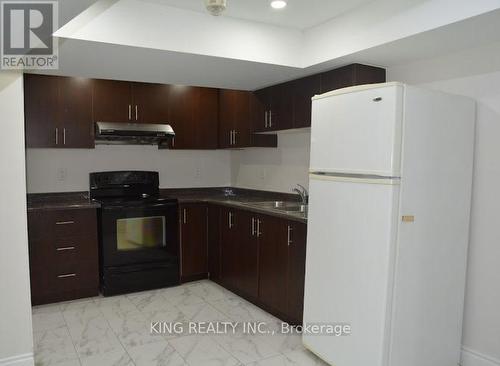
(66, 200)
(237, 197)
(227, 196)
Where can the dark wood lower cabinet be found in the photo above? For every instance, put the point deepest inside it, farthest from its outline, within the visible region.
(63, 250)
(261, 258)
(193, 241)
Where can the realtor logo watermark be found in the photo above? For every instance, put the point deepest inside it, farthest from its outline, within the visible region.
(27, 28)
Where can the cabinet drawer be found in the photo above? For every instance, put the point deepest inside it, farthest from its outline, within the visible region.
(82, 275)
(72, 223)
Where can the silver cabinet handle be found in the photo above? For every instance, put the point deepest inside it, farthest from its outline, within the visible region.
(270, 119)
(65, 222)
(259, 233)
(129, 112)
(136, 112)
(234, 137)
(266, 118)
(57, 136)
(62, 249)
(67, 275)
(64, 136)
(253, 226)
(231, 138)
(184, 216)
(289, 237)
(230, 218)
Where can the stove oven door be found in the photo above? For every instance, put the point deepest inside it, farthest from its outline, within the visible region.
(133, 235)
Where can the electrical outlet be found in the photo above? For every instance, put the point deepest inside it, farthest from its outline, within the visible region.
(262, 174)
(197, 173)
(62, 174)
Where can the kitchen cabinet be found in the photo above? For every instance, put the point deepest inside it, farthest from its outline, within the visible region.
(193, 114)
(63, 252)
(193, 241)
(113, 101)
(228, 248)
(151, 102)
(350, 75)
(234, 122)
(123, 101)
(296, 272)
(288, 105)
(239, 251)
(58, 112)
(214, 241)
(302, 91)
(273, 263)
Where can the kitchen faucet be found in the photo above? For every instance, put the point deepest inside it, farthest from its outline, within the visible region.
(303, 193)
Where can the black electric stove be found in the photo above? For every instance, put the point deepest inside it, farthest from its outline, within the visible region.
(138, 235)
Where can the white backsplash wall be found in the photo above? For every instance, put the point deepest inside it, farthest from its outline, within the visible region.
(475, 73)
(65, 170)
(271, 169)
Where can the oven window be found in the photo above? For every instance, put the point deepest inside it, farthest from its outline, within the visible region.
(140, 233)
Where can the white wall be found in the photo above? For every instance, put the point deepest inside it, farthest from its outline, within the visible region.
(481, 337)
(16, 344)
(177, 168)
(274, 169)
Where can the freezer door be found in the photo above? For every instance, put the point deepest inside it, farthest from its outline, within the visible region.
(358, 132)
(350, 251)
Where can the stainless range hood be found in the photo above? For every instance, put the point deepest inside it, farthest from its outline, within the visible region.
(111, 133)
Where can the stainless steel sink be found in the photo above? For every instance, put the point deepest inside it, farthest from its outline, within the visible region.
(281, 206)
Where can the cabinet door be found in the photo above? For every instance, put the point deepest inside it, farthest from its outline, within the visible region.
(297, 235)
(193, 218)
(181, 113)
(303, 90)
(355, 74)
(242, 120)
(75, 112)
(227, 100)
(281, 116)
(247, 275)
(113, 101)
(260, 107)
(273, 263)
(206, 118)
(229, 249)
(150, 103)
(214, 242)
(40, 104)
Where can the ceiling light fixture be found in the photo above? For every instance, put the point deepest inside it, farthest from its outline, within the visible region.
(278, 4)
(216, 7)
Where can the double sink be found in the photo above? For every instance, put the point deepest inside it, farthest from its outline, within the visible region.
(287, 207)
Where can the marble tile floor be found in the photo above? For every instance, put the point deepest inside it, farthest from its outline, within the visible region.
(116, 331)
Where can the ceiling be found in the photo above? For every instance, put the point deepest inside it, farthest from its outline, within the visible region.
(299, 14)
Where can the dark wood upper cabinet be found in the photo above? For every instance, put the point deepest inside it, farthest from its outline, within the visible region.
(41, 95)
(58, 112)
(193, 114)
(235, 127)
(193, 238)
(288, 105)
(113, 101)
(75, 112)
(350, 75)
(150, 102)
(302, 91)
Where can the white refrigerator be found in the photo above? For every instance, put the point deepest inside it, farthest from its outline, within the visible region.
(390, 195)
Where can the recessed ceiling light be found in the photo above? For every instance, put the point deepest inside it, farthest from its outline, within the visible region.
(278, 4)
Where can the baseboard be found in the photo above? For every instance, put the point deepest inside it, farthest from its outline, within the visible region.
(473, 358)
(19, 360)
